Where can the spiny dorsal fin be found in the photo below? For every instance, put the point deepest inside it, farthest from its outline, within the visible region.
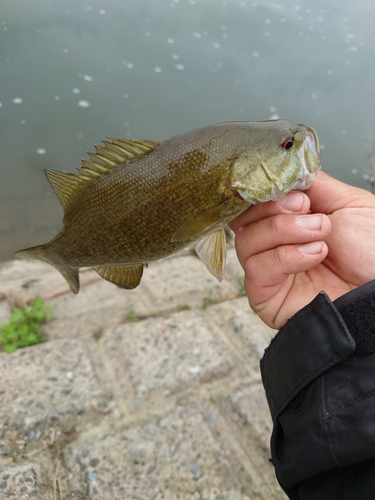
(66, 186)
(112, 154)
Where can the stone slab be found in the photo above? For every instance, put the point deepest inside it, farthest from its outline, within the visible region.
(39, 476)
(98, 305)
(163, 355)
(247, 439)
(242, 326)
(251, 404)
(171, 457)
(19, 482)
(48, 387)
(246, 412)
(18, 275)
(175, 282)
(168, 406)
(101, 304)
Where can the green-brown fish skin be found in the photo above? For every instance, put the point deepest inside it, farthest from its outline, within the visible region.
(135, 202)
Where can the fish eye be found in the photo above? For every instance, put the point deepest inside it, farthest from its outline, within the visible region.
(287, 143)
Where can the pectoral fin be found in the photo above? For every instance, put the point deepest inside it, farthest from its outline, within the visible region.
(212, 250)
(122, 276)
(203, 221)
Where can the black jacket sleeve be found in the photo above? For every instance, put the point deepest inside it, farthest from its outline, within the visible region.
(319, 378)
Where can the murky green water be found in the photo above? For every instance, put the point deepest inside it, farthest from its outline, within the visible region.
(74, 71)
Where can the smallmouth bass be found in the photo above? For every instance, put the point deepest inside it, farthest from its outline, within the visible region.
(134, 202)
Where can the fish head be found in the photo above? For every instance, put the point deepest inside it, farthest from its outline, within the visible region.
(279, 157)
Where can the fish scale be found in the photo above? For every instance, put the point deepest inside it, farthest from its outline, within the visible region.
(135, 202)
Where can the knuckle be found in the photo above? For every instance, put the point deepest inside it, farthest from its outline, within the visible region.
(238, 238)
(281, 256)
(251, 267)
(243, 242)
(279, 224)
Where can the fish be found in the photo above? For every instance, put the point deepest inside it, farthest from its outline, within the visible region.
(134, 202)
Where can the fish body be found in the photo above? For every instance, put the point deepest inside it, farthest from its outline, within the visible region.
(135, 202)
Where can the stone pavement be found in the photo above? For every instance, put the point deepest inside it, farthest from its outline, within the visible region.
(153, 393)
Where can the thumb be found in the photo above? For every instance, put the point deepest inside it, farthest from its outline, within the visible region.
(328, 195)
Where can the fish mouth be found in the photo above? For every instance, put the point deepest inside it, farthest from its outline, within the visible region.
(312, 141)
(309, 157)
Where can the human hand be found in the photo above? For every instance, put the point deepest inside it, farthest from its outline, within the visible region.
(291, 249)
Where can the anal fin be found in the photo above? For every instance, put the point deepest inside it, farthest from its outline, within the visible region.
(127, 277)
(212, 250)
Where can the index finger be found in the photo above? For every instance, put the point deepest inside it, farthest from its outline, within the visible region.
(293, 202)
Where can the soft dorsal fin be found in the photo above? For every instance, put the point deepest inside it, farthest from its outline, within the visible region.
(68, 186)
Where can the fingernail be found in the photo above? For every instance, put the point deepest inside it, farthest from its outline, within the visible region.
(292, 201)
(311, 248)
(313, 222)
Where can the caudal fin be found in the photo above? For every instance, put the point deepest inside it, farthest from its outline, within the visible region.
(39, 253)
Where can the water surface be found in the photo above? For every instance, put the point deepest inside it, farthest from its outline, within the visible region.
(74, 71)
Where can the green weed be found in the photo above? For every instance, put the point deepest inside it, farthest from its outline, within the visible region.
(207, 301)
(24, 327)
(130, 315)
(97, 334)
(185, 307)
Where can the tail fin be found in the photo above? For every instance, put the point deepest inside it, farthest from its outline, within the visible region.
(39, 253)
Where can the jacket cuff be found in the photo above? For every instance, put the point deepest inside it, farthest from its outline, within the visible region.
(319, 377)
(314, 340)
